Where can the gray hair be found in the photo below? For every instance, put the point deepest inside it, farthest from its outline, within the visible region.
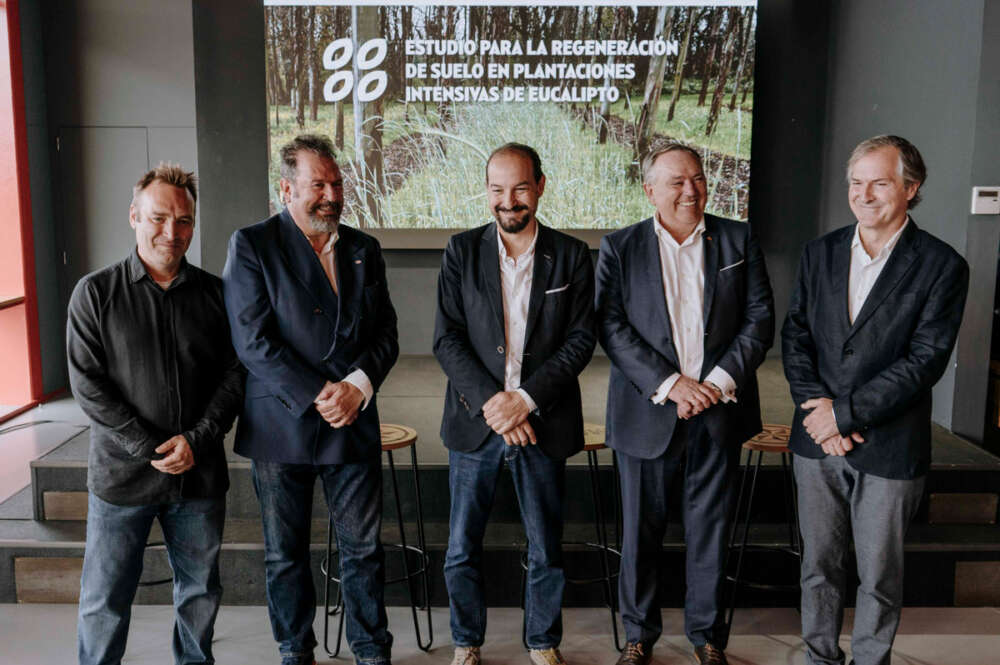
(911, 164)
(171, 174)
(318, 144)
(662, 148)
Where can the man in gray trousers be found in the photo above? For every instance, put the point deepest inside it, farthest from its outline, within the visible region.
(870, 329)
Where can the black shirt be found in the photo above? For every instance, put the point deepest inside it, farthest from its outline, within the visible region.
(146, 364)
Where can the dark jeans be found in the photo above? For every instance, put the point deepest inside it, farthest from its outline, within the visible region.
(112, 564)
(706, 510)
(354, 497)
(836, 502)
(539, 483)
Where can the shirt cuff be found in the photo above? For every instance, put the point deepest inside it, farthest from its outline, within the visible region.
(660, 396)
(360, 380)
(527, 399)
(721, 378)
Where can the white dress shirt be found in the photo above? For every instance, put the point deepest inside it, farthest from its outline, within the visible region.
(328, 259)
(682, 268)
(865, 269)
(515, 279)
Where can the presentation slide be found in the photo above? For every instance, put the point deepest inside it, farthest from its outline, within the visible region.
(415, 97)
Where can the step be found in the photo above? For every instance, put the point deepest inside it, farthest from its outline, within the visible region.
(946, 565)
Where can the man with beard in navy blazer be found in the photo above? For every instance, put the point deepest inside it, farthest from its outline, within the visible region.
(312, 321)
(870, 329)
(515, 326)
(686, 315)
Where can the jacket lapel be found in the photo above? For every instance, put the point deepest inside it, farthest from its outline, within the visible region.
(544, 260)
(489, 267)
(350, 280)
(898, 265)
(302, 262)
(839, 278)
(710, 242)
(650, 252)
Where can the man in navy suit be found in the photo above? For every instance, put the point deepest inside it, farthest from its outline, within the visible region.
(686, 315)
(312, 322)
(515, 326)
(871, 326)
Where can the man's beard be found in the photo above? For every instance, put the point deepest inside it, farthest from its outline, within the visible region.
(324, 223)
(515, 225)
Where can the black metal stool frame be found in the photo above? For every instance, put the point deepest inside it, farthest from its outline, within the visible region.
(794, 542)
(422, 570)
(602, 545)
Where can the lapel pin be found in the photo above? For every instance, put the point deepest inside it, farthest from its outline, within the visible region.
(357, 260)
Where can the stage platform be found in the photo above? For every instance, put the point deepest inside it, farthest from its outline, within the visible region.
(953, 549)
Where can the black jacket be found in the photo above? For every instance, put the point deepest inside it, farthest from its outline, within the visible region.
(879, 372)
(635, 332)
(469, 339)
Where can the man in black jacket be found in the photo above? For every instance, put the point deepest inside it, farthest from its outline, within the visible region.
(870, 329)
(515, 326)
(151, 364)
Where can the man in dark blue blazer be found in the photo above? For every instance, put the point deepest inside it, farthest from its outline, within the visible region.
(871, 326)
(686, 315)
(312, 322)
(515, 326)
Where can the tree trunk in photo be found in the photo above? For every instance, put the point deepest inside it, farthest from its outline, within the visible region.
(747, 84)
(745, 48)
(301, 68)
(370, 186)
(706, 71)
(728, 51)
(602, 133)
(654, 87)
(681, 58)
(315, 89)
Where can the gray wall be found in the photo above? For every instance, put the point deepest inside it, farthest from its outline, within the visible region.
(982, 243)
(112, 85)
(912, 69)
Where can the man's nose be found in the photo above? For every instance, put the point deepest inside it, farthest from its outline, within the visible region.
(170, 229)
(689, 188)
(507, 199)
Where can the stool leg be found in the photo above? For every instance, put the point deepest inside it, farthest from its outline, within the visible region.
(601, 528)
(524, 594)
(618, 502)
(402, 541)
(338, 604)
(424, 560)
(746, 536)
(797, 540)
(739, 502)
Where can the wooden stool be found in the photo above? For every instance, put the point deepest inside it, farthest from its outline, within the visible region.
(593, 441)
(394, 437)
(773, 439)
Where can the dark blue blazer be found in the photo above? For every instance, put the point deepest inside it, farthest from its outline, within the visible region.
(879, 372)
(559, 338)
(634, 329)
(293, 333)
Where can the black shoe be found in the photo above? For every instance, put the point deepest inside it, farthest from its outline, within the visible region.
(634, 654)
(708, 654)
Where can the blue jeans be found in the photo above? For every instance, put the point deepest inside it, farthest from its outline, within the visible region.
(354, 496)
(112, 564)
(539, 483)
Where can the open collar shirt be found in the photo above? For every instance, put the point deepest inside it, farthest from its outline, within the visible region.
(515, 278)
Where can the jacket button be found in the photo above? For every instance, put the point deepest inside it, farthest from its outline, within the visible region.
(500, 350)
(848, 352)
(317, 311)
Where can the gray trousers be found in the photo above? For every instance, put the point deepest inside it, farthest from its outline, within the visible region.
(837, 502)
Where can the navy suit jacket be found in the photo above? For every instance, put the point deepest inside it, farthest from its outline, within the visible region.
(293, 333)
(634, 329)
(879, 371)
(469, 339)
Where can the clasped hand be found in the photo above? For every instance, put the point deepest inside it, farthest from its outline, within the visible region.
(179, 456)
(822, 427)
(507, 414)
(692, 397)
(339, 403)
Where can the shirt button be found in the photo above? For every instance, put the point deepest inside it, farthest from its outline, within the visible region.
(500, 350)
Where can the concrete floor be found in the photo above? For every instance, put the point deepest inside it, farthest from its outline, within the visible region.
(37, 634)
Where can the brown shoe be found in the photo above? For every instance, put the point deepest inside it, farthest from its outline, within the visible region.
(634, 654)
(708, 654)
(466, 656)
